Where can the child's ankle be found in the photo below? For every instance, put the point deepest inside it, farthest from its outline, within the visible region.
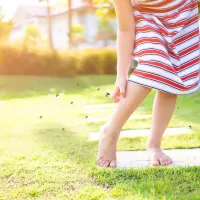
(153, 147)
(109, 132)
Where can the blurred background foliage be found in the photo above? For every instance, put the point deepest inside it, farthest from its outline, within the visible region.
(106, 8)
(5, 26)
(15, 60)
(35, 55)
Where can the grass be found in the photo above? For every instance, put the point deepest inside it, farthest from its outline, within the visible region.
(182, 141)
(138, 123)
(41, 160)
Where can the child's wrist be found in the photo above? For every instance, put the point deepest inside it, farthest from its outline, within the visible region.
(122, 75)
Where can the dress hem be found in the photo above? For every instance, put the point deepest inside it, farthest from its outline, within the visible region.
(155, 88)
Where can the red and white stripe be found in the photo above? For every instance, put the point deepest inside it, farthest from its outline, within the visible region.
(167, 46)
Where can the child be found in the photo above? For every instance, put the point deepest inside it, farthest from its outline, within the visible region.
(163, 36)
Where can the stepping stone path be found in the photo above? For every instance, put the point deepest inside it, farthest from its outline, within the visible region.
(140, 159)
(92, 136)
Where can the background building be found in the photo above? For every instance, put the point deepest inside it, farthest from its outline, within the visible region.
(82, 13)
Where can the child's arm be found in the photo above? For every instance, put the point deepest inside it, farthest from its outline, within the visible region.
(125, 36)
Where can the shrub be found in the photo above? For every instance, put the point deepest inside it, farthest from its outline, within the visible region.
(21, 61)
(98, 61)
(90, 62)
(109, 61)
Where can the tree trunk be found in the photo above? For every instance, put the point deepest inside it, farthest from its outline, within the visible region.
(49, 25)
(69, 20)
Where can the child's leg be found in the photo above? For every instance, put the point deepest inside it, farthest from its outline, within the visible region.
(163, 109)
(110, 131)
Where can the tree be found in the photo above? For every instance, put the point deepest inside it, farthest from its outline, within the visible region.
(105, 8)
(105, 31)
(108, 8)
(69, 20)
(68, 5)
(5, 27)
(32, 36)
(77, 34)
(49, 23)
(32, 31)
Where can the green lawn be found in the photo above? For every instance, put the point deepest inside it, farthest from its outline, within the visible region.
(49, 157)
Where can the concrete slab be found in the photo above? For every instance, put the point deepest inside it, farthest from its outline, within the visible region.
(140, 159)
(101, 119)
(92, 136)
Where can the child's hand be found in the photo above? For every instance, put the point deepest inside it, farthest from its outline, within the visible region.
(120, 88)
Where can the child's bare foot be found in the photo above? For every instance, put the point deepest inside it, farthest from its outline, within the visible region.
(107, 148)
(157, 157)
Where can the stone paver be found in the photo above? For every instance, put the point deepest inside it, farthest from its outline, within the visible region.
(140, 159)
(101, 119)
(92, 136)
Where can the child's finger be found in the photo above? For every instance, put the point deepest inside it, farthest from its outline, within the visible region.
(115, 94)
(122, 90)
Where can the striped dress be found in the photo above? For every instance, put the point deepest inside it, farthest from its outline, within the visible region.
(167, 46)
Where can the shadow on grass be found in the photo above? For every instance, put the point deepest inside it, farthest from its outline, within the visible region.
(31, 86)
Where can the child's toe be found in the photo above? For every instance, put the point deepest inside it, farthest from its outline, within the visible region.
(162, 161)
(106, 164)
(113, 164)
(155, 162)
(99, 161)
